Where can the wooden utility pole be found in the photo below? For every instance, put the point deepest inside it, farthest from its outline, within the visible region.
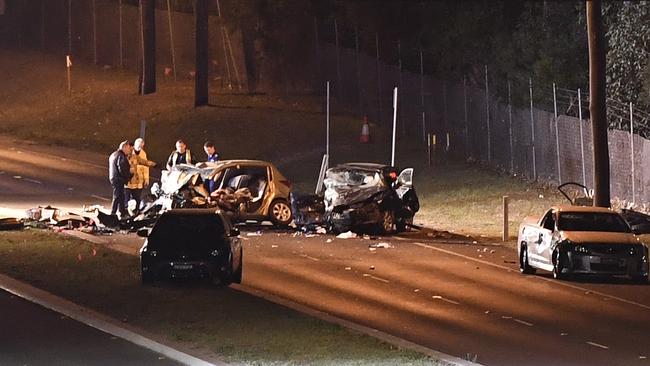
(597, 106)
(148, 39)
(201, 85)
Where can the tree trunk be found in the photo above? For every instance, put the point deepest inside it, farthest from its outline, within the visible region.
(597, 106)
(148, 29)
(201, 86)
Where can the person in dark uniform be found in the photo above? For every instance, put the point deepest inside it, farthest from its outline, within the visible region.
(119, 174)
(213, 157)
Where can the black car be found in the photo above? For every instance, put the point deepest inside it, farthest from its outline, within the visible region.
(192, 243)
(361, 197)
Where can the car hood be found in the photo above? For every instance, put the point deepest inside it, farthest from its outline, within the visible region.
(599, 237)
(337, 196)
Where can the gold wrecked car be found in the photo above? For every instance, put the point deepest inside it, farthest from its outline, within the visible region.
(246, 189)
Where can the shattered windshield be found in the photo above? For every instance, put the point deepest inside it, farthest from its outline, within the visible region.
(352, 178)
(592, 221)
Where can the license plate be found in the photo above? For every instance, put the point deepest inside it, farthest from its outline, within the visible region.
(182, 266)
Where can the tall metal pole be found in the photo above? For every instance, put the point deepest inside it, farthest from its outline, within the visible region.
(582, 139)
(327, 112)
(392, 160)
(338, 60)
(597, 102)
(356, 56)
(512, 154)
(424, 122)
(378, 77)
(94, 10)
(171, 36)
(632, 153)
(532, 128)
(487, 116)
(557, 136)
(121, 36)
(467, 145)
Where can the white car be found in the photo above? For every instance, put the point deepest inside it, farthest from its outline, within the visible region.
(570, 240)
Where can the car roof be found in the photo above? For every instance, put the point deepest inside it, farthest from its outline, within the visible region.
(569, 208)
(367, 166)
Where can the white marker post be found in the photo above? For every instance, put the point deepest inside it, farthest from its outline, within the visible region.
(68, 66)
(392, 160)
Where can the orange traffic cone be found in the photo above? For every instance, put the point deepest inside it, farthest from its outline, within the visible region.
(365, 131)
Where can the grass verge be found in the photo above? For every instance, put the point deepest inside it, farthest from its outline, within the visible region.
(241, 328)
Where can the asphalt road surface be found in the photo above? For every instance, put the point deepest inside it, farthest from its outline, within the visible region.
(462, 298)
(32, 335)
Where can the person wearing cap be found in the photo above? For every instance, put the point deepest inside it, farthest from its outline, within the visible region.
(181, 155)
(140, 168)
(119, 173)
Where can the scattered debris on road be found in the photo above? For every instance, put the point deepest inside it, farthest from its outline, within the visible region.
(381, 245)
(346, 235)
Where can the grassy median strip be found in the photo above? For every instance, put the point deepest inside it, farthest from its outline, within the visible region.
(241, 328)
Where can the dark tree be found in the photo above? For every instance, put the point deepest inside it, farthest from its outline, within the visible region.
(597, 107)
(148, 37)
(201, 86)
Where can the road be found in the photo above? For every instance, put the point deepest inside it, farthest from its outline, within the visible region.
(462, 298)
(32, 335)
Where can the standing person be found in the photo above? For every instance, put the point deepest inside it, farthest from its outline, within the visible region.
(119, 173)
(140, 179)
(213, 157)
(181, 155)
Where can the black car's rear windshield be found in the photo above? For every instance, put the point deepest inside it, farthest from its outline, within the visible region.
(593, 221)
(187, 233)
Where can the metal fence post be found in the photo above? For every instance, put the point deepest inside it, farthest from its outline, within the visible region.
(582, 147)
(487, 116)
(632, 153)
(171, 35)
(532, 128)
(557, 137)
(424, 124)
(121, 36)
(378, 78)
(467, 145)
(512, 156)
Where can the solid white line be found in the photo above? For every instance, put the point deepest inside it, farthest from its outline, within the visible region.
(376, 278)
(437, 297)
(582, 289)
(94, 319)
(308, 257)
(597, 345)
(32, 180)
(523, 322)
(100, 197)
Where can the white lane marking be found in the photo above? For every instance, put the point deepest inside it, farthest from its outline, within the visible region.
(308, 257)
(597, 345)
(376, 278)
(17, 177)
(523, 322)
(100, 197)
(550, 280)
(398, 238)
(32, 180)
(438, 297)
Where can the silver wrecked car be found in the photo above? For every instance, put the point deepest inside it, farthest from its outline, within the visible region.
(570, 240)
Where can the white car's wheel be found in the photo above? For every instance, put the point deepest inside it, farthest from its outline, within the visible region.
(524, 266)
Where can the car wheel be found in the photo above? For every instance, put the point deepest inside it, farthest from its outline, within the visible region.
(280, 213)
(403, 225)
(557, 267)
(524, 267)
(387, 224)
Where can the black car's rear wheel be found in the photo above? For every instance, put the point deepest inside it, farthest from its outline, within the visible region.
(280, 213)
(524, 266)
(558, 267)
(237, 275)
(387, 225)
(404, 224)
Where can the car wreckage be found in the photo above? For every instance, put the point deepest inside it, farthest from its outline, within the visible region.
(244, 190)
(360, 197)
